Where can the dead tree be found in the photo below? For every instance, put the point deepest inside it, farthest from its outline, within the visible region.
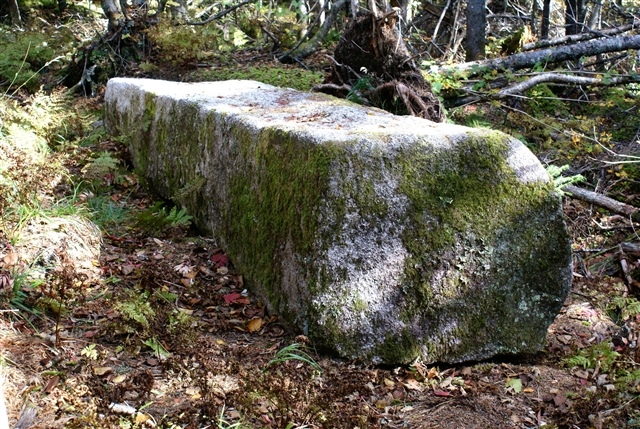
(373, 65)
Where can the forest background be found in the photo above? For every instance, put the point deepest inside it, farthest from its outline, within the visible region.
(114, 312)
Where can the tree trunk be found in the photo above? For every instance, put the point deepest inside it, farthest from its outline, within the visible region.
(549, 56)
(523, 86)
(110, 10)
(14, 11)
(303, 50)
(476, 30)
(573, 16)
(595, 17)
(544, 25)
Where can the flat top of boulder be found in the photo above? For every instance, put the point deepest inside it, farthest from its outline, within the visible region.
(319, 116)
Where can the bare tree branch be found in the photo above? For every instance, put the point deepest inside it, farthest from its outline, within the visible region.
(220, 14)
(565, 78)
(607, 32)
(523, 86)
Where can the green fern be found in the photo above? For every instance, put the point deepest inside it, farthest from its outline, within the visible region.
(156, 218)
(103, 164)
(599, 354)
(628, 307)
(136, 313)
(579, 360)
(178, 217)
(561, 181)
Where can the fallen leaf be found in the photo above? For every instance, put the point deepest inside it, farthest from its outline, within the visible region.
(122, 408)
(433, 372)
(102, 370)
(127, 269)
(184, 269)
(412, 384)
(10, 259)
(192, 390)
(206, 271)
(254, 324)
(441, 393)
(581, 374)
(389, 383)
(220, 260)
(118, 379)
(232, 298)
(514, 384)
(51, 384)
(142, 418)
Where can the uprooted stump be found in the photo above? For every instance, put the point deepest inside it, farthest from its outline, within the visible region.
(373, 65)
(381, 237)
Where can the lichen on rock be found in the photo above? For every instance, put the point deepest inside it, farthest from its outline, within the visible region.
(383, 238)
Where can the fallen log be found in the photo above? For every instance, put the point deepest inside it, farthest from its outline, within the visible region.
(603, 201)
(548, 56)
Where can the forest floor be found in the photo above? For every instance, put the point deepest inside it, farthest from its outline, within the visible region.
(145, 323)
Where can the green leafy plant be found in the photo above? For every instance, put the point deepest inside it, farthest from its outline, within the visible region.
(561, 181)
(157, 347)
(623, 308)
(295, 78)
(185, 45)
(157, 218)
(601, 355)
(181, 325)
(359, 89)
(442, 82)
(23, 284)
(166, 296)
(294, 351)
(222, 423)
(136, 312)
(90, 352)
(103, 168)
(106, 213)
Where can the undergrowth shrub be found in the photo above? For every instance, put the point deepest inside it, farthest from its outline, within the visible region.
(26, 54)
(183, 44)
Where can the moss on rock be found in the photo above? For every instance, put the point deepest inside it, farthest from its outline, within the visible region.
(382, 238)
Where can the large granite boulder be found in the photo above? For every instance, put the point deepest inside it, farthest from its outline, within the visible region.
(383, 238)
